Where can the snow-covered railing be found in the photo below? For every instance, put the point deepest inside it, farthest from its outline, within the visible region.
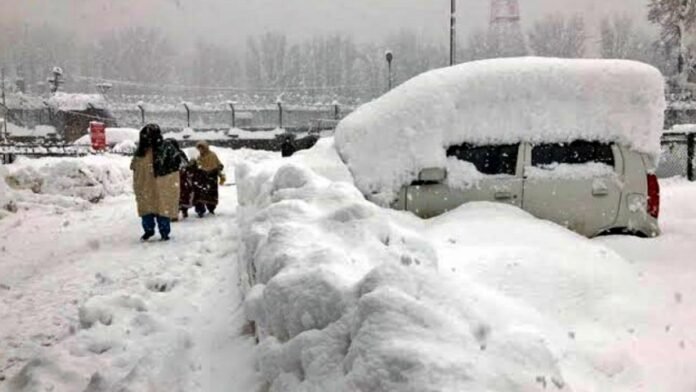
(9, 151)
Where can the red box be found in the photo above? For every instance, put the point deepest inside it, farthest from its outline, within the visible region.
(97, 132)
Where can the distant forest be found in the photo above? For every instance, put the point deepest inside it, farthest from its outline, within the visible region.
(143, 61)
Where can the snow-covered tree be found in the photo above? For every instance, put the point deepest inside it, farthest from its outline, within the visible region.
(265, 60)
(558, 36)
(620, 38)
(414, 54)
(137, 54)
(493, 43)
(677, 18)
(617, 38)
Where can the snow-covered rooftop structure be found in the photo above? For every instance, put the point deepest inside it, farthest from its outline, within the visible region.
(19, 101)
(76, 102)
(388, 141)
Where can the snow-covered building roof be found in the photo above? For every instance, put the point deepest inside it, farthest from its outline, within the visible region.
(76, 102)
(388, 141)
(24, 102)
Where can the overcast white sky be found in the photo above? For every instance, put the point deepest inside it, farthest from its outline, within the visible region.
(232, 20)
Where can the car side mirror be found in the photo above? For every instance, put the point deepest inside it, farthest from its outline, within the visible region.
(432, 175)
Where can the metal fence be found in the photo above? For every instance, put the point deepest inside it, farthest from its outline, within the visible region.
(677, 156)
(228, 116)
(677, 159)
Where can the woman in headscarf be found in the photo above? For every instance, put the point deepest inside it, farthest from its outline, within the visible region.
(156, 181)
(186, 173)
(208, 174)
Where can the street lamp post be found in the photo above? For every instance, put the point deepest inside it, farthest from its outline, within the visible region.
(389, 56)
(453, 32)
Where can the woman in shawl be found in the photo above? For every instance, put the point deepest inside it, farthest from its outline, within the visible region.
(186, 173)
(208, 175)
(156, 182)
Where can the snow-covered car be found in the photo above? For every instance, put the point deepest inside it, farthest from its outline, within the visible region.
(570, 141)
(590, 187)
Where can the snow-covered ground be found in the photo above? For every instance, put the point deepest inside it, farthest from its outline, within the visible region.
(83, 301)
(347, 296)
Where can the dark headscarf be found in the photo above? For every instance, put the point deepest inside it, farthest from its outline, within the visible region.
(150, 138)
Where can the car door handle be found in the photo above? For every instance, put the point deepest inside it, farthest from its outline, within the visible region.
(599, 189)
(600, 192)
(503, 195)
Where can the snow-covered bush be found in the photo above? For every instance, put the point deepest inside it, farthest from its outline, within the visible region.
(388, 141)
(126, 147)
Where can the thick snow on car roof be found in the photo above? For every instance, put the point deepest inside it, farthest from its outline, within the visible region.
(388, 141)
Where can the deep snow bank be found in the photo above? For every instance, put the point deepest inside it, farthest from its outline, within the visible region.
(68, 182)
(347, 296)
(388, 141)
(7, 197)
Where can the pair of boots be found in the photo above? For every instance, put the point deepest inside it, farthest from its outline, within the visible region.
(202, 208)
(152, 221)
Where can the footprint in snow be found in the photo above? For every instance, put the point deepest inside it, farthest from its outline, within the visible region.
(161, 285)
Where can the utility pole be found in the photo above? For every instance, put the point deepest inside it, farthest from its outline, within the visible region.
(390, 57)
(453, 33)
(4, 104)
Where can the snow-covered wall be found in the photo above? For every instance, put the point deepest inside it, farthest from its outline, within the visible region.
(388, 141)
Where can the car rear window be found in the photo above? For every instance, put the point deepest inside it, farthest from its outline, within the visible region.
(575, 153)
(491, 160)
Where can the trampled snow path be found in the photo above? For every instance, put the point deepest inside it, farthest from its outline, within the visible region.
(160, 313)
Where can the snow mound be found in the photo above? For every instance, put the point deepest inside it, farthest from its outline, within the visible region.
(346, 296)
(38, 131)
(7, 197)
(683, 128)
(69, 181)
(388, 141)
(126, 147)
(191, 134)
(114, 136)
(256, 135)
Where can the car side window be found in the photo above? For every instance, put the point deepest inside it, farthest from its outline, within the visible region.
(490, 160)
(575, 153)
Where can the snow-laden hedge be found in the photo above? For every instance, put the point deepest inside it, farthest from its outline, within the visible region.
(347, 296)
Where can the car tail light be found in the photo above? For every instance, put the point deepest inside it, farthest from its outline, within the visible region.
(653, 196)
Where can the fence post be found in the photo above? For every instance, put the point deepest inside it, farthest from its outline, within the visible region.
(280, 114)
(234, 115)
(337, 111)
(188, 115)
(690, 146)
(141, 106)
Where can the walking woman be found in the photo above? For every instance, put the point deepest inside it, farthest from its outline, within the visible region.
(186, 173)
(206, 178)
(156, 181)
